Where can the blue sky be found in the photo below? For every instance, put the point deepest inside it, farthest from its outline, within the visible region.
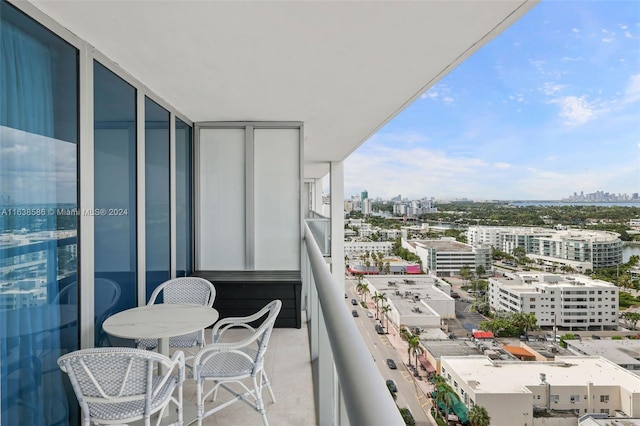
(548, 108)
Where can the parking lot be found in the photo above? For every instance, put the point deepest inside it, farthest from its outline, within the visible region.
(466, 320)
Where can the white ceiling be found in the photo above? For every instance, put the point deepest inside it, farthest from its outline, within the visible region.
(344, 68)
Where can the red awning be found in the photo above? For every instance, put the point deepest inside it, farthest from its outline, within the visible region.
(483, 335)
(425, 363)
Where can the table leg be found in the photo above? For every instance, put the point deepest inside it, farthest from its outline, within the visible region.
(163, 348)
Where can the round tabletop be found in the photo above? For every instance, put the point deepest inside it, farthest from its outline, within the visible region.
(160, 321)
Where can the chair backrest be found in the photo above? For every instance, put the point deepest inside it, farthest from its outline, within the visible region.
(112, 375)
(106, 295)
(188, 290)
(263, 332)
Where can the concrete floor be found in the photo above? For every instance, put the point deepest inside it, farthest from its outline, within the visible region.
(288, 365)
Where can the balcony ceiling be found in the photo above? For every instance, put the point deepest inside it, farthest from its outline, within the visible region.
(344, 68)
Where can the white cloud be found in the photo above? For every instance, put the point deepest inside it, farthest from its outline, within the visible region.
(502, 166)
(575, 110)
(550, 88)
(16, 149)
(570, 59)
(448, 100)
(609, 36)
(632, 91)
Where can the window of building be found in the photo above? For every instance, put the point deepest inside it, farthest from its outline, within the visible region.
(604, 398)
(604, 410)
(38, 175)
(574, 399)
(554, 398)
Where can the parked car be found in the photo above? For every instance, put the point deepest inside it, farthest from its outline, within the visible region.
(369, 314)
(379, 329)
(391, 363)
(354, 313)
(392, 385)
(354, 302)
(455, 295)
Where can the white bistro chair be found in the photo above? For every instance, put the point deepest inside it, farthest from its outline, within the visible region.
(120, 385)
(183, 290)
(226, 364)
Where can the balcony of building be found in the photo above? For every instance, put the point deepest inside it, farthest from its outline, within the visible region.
(144, 142)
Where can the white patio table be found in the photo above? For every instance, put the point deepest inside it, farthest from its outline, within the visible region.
(160, 321)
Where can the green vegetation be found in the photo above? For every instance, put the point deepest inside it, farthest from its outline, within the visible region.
(503, 214)
(631, 319)
(405, 254)
(510, 324)
(627, 300)
(478, 416)
(564, 337)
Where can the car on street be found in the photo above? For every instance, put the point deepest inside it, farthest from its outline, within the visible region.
(391, 363)
(392, 385)
(370, 314)
(354, 302)
(354, 313)
(379, 329)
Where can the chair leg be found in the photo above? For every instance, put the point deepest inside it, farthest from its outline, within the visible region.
(199, 401)
(267, 383)
(259, 401)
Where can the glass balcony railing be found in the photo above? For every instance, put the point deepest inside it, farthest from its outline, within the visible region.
(349, 388)
(320, 227)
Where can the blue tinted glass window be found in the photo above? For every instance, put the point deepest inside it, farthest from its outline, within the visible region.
(184, 242)
(38, 220)
(156, 195)
(115, 198)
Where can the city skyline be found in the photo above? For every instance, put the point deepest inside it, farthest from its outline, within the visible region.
(549, 107)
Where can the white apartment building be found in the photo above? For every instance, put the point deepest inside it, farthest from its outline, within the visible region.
(358, 248)
(564, 301)
(446, 256)
(518, 393)
(579, 248)
(634, 223)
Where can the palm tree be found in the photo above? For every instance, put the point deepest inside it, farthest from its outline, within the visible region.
(478, 416)
(364, 287)
(447, 396)
(465, 273)
(414, 347)
(385, 309)
(376, 298)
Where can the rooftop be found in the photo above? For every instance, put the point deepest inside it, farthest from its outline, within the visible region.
(621, 352)
(443, 245)
(514, 376)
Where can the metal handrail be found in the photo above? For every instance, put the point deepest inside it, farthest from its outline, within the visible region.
(366, 397)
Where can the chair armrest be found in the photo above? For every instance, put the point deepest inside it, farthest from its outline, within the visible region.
(177, 360)
(227, 324)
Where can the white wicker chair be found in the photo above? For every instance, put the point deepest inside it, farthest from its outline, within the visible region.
(226, 363)
(119, 385)
(183, 290)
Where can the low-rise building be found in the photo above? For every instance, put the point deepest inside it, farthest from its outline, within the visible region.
(445, 257)
(516, 393)
(624, 352)
(563, 301)
(359, 248)
(420, 302)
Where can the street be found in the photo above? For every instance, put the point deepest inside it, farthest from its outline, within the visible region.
(385, 346)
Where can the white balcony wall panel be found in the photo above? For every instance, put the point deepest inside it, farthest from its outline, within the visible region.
(221, 199)
(277, 199)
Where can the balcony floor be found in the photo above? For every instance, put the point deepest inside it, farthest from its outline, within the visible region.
(288, 365)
